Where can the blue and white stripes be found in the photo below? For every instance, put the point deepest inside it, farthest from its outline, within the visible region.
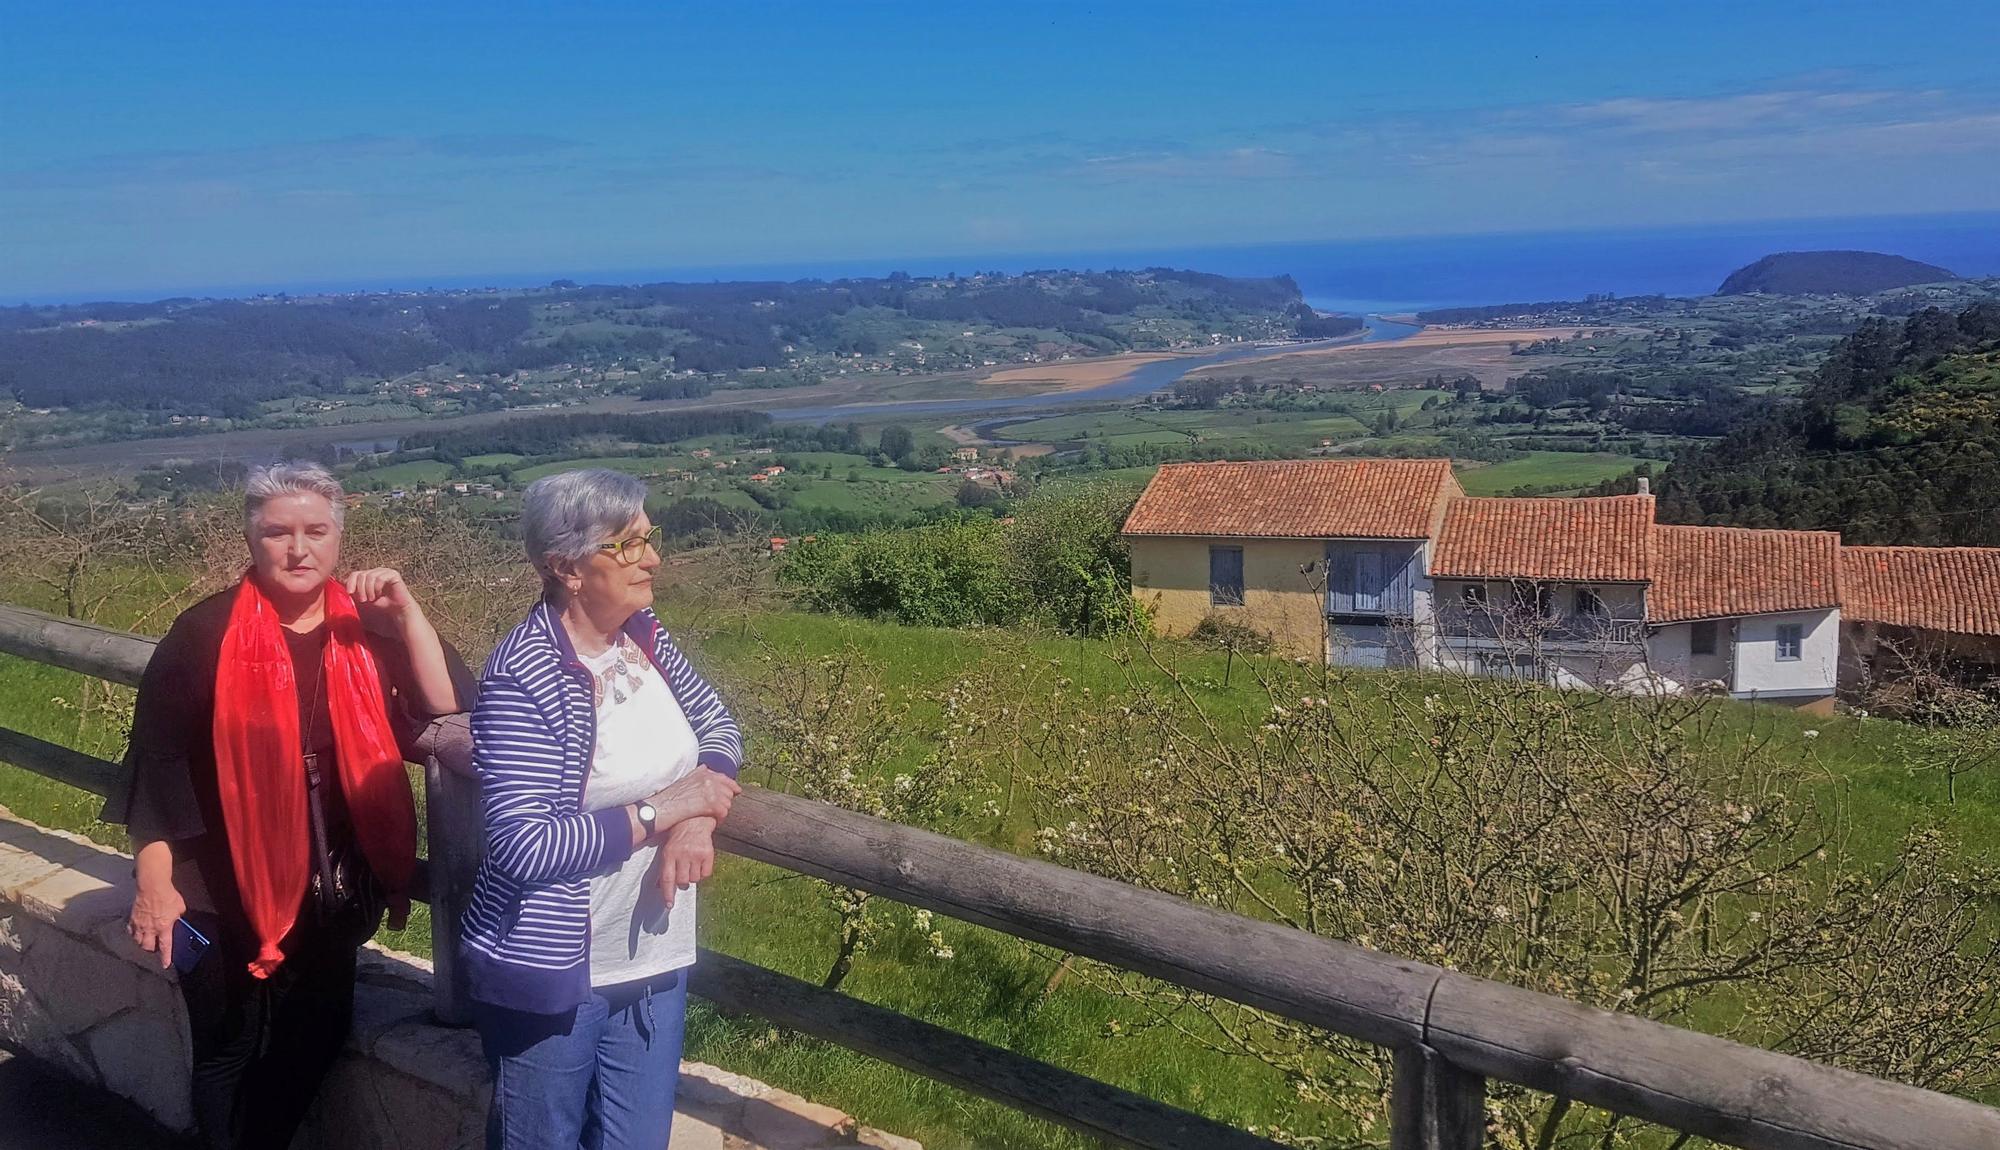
(526, 932)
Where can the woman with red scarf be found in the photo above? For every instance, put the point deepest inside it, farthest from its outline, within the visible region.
(270, 814)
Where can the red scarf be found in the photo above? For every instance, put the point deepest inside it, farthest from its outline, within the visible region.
(260, 769)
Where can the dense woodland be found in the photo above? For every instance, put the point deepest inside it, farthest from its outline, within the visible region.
(1895, 440)
(226, 355)
(222, 357)
(541, 435)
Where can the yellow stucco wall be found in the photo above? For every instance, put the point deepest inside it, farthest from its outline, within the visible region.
(1170, 578)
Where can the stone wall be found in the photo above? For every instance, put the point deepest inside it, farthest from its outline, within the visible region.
(78, 995)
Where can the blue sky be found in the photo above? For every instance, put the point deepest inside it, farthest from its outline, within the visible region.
(158, 147)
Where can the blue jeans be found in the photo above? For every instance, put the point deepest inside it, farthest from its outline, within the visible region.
(600, 1077)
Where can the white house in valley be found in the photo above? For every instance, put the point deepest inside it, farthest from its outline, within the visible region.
(1387, 563)
(1753, 613)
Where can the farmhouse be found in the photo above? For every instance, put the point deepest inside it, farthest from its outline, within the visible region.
(1937, 604)
(1318, 554)
(1756, 614)
(1387, 563)
(1544, 588)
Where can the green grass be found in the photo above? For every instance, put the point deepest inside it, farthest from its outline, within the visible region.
(995, 988)
(404, 474)
(489, 462)
(1554, 469)
(635, 464)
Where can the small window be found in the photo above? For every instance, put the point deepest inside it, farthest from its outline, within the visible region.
(1701, 638)
(1588, 604)
(1791, 642)
(1225, 576)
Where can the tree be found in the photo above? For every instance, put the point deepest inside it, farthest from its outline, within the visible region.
(1634, 854)
(974, 494)
(828, 727)
(897, 441)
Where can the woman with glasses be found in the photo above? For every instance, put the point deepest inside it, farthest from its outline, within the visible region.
(271, 818)
(605, 763)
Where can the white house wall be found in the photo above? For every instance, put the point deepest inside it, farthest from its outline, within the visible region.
(1758, 671)
(1670, 651)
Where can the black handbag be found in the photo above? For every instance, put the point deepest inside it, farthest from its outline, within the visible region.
(342, 891)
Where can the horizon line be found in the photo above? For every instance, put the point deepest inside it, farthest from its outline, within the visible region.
(966, 263)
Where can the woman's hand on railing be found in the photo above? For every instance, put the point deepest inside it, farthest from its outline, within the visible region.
(156, 905)
(687, 857)
(702, 793)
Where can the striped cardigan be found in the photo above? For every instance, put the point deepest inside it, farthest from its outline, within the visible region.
(526, 932)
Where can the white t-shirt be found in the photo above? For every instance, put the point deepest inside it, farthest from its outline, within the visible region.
(644, 742)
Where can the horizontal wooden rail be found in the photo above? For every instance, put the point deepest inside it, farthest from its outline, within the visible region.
(100, 652)
(1050, 1092)
(1081, 1103)
(1448, 1028)
(100, 777)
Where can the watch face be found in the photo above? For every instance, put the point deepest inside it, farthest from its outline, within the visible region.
(646, 813)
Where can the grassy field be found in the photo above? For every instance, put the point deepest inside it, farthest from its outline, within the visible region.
(993, 987)
(636, 464)
(431, 471)
(1295, 430)
(489, 462)
(1545, 469)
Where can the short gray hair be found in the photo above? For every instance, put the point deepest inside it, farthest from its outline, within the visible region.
(294, 477)
(569, 513)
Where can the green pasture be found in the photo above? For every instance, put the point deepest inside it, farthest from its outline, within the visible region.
(404, 474)
(1567, 469)
(635, 464)
(491, 461)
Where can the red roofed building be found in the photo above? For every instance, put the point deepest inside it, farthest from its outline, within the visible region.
(1550, 589)
(1755, 613)
(1388, 563)
(1321, 554)
(1899, 603)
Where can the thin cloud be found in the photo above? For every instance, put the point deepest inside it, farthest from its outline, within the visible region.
(1736, 112)
(1225, 164)
(287, 158)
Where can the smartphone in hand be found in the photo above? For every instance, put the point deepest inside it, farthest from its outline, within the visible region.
(189, 945)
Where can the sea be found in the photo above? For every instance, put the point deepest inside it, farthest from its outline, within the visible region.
(1383, 276)
(1410, 273)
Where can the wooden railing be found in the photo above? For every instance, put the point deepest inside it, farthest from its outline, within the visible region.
(1449, 1032)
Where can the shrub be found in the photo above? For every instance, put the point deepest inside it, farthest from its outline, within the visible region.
(942, 575)
(1230, 635)
(1065, 551)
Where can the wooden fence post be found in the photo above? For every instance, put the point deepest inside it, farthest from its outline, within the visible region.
(456, 835)
(1434, 1105)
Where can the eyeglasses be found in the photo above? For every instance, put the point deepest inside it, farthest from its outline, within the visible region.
(630, 551)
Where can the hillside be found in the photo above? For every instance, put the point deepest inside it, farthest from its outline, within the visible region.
(1895, 440)
(490, 349)
(1830, 273)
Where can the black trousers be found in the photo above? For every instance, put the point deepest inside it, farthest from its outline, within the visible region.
(263, 1045)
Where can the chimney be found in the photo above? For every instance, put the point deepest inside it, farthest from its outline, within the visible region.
(1645, 486)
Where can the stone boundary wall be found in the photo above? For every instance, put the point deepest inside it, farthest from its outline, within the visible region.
(79, 996)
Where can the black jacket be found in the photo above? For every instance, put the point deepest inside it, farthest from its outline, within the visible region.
(172, 794)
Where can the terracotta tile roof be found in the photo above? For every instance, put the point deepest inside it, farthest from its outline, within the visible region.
(1711, 572)
(1295, 499)
(1939, 588)
(1587, 540)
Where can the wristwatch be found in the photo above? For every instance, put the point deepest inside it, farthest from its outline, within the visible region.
(648, 817)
